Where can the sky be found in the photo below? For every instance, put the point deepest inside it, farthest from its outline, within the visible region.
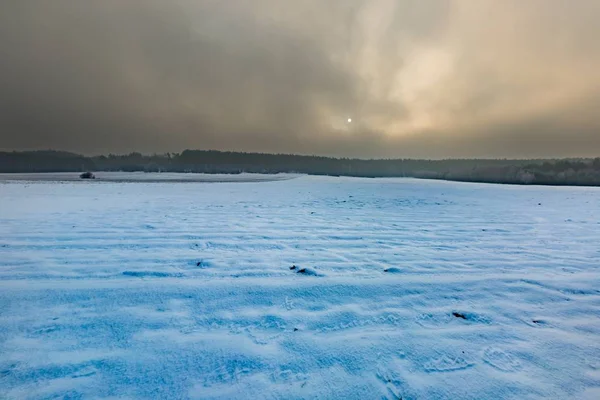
(358, 78)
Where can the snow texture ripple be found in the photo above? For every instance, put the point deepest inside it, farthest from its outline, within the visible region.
(312, 287)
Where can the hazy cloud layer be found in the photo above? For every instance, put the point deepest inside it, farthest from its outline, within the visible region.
(421, 78)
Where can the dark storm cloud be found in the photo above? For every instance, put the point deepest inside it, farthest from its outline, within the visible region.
(418, 78)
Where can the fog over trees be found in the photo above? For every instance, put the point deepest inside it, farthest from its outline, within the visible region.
(538, 171)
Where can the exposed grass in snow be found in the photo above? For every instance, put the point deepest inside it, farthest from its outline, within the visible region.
(410, 289)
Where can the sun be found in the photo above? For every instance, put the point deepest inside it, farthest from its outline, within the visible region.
(349, 120)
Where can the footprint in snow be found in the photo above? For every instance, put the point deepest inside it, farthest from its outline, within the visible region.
(432, 321)
(288, 304)
(392, 383)
(225, 374)
(428, 320)
(46, 330)
(84, 373)
(501, 360)
(390, 374)
(447, 364)
(289, 376)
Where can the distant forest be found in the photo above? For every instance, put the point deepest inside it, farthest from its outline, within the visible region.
(584, 172)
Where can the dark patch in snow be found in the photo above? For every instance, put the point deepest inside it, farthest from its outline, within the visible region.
(459, 315)
(472, 317)
(392, 270)
(87, 175)
(295, 329)
(304, 271)
(200, 263)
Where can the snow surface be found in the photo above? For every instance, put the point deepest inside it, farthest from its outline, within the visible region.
(146, 177)
(179, 290)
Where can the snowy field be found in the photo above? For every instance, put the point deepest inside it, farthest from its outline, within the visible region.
(146, 177)
(403, 289)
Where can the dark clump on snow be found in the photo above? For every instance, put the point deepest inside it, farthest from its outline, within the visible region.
(307, 271)
(392, 270)
(304, 271)
(87, 175)
(202, 263)
(459, 315)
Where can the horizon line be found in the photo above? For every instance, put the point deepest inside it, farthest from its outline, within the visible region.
(299, 155)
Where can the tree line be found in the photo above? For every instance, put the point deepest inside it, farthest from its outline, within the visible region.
(545, 172)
